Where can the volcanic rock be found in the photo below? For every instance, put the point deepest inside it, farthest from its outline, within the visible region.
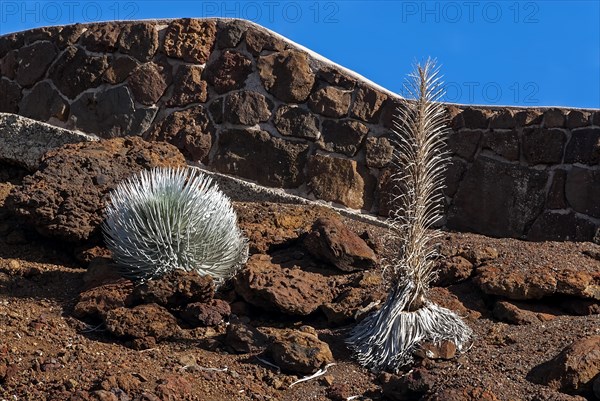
(343, 136)
(143, 321)
(573, 370)
(101, 37)
(296, 121)
(119, 69)
(65, 198)
(379, 152)
(246, 108)
(368, 104)
(33, 62)
(331, 241)
(204, 314)
(355, 300)
(524, 283)
(23, 141)
(191, 40)
(258, 156)
(175, 289)
(511, 313)
(337, 180)
(147, 83)
(190, 130)
(291, 291)
(190, 87)
(110, 113)
(228, 71)
(287, 75)
(11, 96)
(453, 270)
(139, 40)
(406, 387)
(44, 102)
(330, 101)
(75, 71)
(96, 302)
(299, 351)
(503, 206)
(244, 338)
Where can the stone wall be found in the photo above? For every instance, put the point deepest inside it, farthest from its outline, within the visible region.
(247, 102)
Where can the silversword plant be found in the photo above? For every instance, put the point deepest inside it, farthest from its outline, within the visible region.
(164, 219)
(386, 339)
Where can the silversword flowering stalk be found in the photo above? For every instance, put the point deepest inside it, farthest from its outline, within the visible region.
(165, 219)
(386, 339)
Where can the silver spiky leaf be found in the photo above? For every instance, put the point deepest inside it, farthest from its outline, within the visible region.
(166, 219)
(386, 339)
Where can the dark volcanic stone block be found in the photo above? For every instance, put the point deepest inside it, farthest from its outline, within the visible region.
(498, 199)
(543, 146)
(584, 147)
(551, 226)
(583, 190)
(258, 156)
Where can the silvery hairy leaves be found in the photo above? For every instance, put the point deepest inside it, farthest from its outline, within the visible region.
(164, 219)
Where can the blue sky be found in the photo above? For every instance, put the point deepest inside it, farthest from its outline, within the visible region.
(530, 53)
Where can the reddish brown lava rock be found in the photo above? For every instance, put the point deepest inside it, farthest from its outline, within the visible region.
(330, 101)
(143, 321)
(379, 152)
(343, 136)
(271, 226)
(356, 299)
(175, 289)
(512, 283)
(287, 75)
(190, 39)
(119, 69)
(228, 71)
(190, 87)
(573, 370)
(244, 338)
(65, 197)
(453, 270)
(411, 386)
(148, 83)
(331, 241)
(511, 313)
(296, 121)
(173, 387)
(291, 291)
(258, 40)
(299, 351)
(96, 302)
(444, 350)
(101, 37)
(337, 180)
(468, 393)
(246, 108)
(209, 313)
(368, 104)
(190, 130)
